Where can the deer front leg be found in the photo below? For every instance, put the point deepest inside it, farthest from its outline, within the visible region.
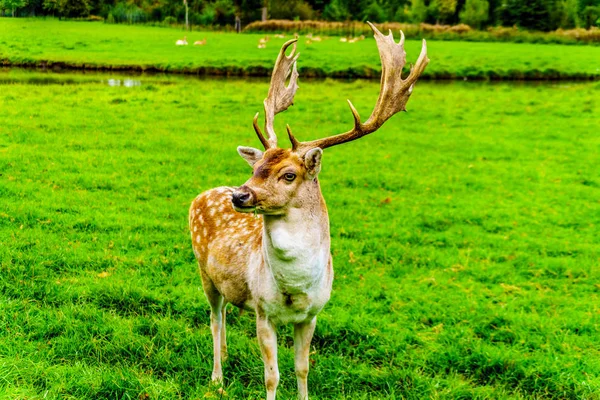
(303, 334)
(267, 339)
(217, 323)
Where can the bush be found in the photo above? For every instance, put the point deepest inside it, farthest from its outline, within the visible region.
(304, 11)
(293, 9)
(460, 28)
(169, 21)
(129, 14)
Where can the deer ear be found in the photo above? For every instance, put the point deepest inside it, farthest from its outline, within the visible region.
(250, 154)
(312, 162)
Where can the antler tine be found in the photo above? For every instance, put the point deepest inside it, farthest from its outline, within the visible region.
(260, 135)
(393, 95)
(280, 96)
(293, 140)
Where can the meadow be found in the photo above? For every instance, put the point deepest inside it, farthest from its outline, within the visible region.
(84, 45)
(460, 32)
(465, 239)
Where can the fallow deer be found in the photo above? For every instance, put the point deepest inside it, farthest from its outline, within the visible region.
(264, 246)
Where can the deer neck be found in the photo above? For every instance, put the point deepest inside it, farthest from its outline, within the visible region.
(296, 244)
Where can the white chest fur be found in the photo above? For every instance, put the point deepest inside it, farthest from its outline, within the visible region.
(295, 285)
(297, 257)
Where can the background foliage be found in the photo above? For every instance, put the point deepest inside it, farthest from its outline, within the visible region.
(543, 15)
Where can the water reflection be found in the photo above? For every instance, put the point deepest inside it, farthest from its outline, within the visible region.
(123, 82)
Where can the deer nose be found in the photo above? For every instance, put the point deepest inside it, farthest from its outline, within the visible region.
(242, 198)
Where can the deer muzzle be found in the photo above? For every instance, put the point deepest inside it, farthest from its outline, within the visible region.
(244, 199)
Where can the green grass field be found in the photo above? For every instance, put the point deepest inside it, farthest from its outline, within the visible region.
(465, 237)
(96, 45)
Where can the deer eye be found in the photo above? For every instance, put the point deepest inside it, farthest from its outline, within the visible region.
(289, 176)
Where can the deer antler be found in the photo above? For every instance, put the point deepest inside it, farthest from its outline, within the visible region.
(280, 96)
(393, 95)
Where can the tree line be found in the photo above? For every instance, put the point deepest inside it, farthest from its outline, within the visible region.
(542, 15)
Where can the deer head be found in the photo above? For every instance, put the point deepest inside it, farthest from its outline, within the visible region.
(282, 178)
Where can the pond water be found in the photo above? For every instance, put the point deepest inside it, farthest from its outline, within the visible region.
(10, 76)
(113, 79)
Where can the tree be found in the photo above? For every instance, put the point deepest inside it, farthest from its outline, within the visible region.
(52, 6)
(558, 15)
(591, 16)
(208, 15)
(374, 13)
(187, 23)
(571, 18)
(418, 11)
(403, 14)
(250, 10)
(443, 10)
(33, 8)
(531, 14)
(12, 5)
(475, 13)
(336, 11)
(224, 12)
(74, 8)
(493, 14)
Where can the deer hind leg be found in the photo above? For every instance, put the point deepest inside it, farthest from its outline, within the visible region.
(303, 334)
(267, 339)
(223, 336)
(217, 325)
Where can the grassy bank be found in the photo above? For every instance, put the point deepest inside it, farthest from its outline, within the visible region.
(459, 32)
(86, 45)
(465, 241)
